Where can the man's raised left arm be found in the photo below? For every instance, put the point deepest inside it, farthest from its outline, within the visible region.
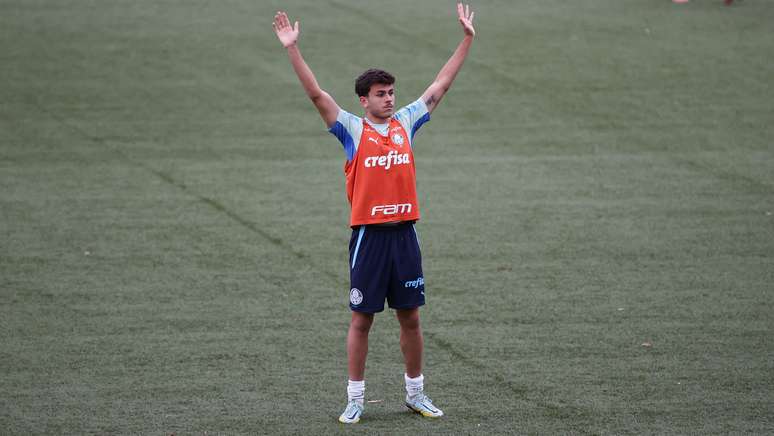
(433, 94)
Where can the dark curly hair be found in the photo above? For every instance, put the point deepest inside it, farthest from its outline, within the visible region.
(370, 77)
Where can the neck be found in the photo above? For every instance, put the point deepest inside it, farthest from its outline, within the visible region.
(376, 120)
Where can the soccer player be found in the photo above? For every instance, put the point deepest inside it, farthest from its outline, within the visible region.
(385, 261)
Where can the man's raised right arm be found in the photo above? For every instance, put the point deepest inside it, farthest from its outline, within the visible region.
(288, 36)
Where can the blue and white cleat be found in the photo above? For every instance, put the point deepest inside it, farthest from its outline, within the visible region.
(423, 405)
(352, 413)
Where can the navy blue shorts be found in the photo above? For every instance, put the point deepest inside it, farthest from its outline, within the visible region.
(385, 263)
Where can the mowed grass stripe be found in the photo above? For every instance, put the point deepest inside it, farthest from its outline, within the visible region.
(213, 203)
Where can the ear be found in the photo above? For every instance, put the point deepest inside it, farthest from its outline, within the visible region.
(363, 102)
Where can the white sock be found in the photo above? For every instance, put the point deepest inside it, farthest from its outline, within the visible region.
(414, 386)
(356, 391)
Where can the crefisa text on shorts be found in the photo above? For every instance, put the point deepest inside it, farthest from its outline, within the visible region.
(420, 281)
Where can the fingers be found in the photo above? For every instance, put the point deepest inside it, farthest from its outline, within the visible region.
(277, 23)
(464, 13)
(465, 16)
(284, 19)
(281, 21)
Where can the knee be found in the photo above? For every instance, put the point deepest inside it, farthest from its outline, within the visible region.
(409, 321)
(361, 323)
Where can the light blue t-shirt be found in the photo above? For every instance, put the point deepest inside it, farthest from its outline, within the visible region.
(349, 128)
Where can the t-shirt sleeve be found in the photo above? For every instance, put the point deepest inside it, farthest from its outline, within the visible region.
(412, 117)
(348, 129)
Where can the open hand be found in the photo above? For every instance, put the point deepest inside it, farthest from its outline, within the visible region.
(287, 34)
(465, 16)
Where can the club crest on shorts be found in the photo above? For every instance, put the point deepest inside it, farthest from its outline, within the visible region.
(355, 296)
(397, 138)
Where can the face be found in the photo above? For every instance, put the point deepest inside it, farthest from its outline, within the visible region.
(380, 102)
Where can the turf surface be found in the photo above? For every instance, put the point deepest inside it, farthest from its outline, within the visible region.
(173, 222)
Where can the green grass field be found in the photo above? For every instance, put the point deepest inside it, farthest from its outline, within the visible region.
(173, 224)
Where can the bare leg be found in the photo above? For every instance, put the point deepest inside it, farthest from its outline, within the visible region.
(411, 341)
(357, 344)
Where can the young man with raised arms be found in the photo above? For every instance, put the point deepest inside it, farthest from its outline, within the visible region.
(385, 260)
